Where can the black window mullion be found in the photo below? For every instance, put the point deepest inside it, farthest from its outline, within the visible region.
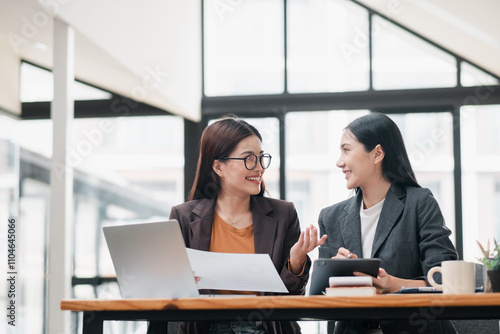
(285, 46)
(281, 118)
(457, 176)
(370, 49)
(459, 71)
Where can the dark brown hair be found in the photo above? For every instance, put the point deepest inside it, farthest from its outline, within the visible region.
(218, 140)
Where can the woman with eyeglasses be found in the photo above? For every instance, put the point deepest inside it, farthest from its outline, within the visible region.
(228, 213)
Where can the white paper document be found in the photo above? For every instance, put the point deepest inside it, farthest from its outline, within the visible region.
(239, 272)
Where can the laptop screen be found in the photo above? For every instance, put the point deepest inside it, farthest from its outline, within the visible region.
(150, 260)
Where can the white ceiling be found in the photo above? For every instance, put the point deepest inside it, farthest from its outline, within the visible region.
(151, 50)
(470, 29)
(148, 50)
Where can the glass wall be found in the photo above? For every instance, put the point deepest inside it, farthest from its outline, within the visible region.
(315, 182)
(125, 170)
(10, 220)
(429, 141)
(480, 133)
(131, 169)
(401, 60)
(37, 85)
(472, 76)
(24, 201)
(327, 46)
(243, 47)
(313, 179)
(331, 47)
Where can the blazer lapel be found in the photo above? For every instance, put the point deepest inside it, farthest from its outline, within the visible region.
(350, 226)
(392, 209)
(264, 227)
(201, 228)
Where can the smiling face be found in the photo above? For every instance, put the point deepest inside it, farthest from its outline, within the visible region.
(235, 178)
(361, 168)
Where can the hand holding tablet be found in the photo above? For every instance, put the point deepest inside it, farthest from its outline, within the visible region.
(323, 269)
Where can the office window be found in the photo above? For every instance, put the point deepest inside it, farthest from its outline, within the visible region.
(472, 76)
(496, 205)
(21, 173)
(9, 165)
(402, 61)
(32, 234)
(9, 209)
(39, 140)
(243, 47)
(125, 170)
(429, 141)
(480, 134)
(315, 182)
(37, 85)
(328, 46)
(130, 169)
(313, 148)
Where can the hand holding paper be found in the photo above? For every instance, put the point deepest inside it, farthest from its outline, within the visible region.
(239, 272)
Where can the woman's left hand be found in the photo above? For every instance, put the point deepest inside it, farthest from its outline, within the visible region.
(385, 283)
(308, 240)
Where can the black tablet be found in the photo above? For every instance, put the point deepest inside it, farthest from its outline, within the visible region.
(323, 269)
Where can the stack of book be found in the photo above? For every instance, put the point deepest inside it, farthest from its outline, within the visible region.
(350, 286)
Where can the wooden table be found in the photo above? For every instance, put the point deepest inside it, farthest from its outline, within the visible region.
(380, 307)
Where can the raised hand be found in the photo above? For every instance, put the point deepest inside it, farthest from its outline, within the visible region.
(308, 240)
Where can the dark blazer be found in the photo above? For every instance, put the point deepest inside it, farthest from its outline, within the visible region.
(410, 239)
(276, 230)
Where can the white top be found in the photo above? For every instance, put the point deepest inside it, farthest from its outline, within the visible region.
(369, 222)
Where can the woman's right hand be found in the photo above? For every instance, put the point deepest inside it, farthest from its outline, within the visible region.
(344, 253)
(308, 240)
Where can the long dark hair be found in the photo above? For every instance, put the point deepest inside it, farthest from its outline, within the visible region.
(377, 128)
(218, 140)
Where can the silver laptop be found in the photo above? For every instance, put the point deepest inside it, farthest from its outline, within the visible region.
(150, 260)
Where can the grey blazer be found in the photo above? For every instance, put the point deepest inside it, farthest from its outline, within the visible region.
(410, 238)
(276, 230)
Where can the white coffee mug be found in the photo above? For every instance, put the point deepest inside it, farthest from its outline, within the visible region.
(458, 277)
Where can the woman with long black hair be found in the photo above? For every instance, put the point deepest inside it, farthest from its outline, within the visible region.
(391, 217)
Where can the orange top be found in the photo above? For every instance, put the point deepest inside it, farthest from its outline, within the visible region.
(228, 239)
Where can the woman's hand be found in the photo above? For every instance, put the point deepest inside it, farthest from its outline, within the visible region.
(385, 283)
(344, 253)
(308, 240)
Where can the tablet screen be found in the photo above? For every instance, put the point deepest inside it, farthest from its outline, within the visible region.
(323, 269)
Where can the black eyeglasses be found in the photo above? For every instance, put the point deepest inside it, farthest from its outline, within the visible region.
(251, 160)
